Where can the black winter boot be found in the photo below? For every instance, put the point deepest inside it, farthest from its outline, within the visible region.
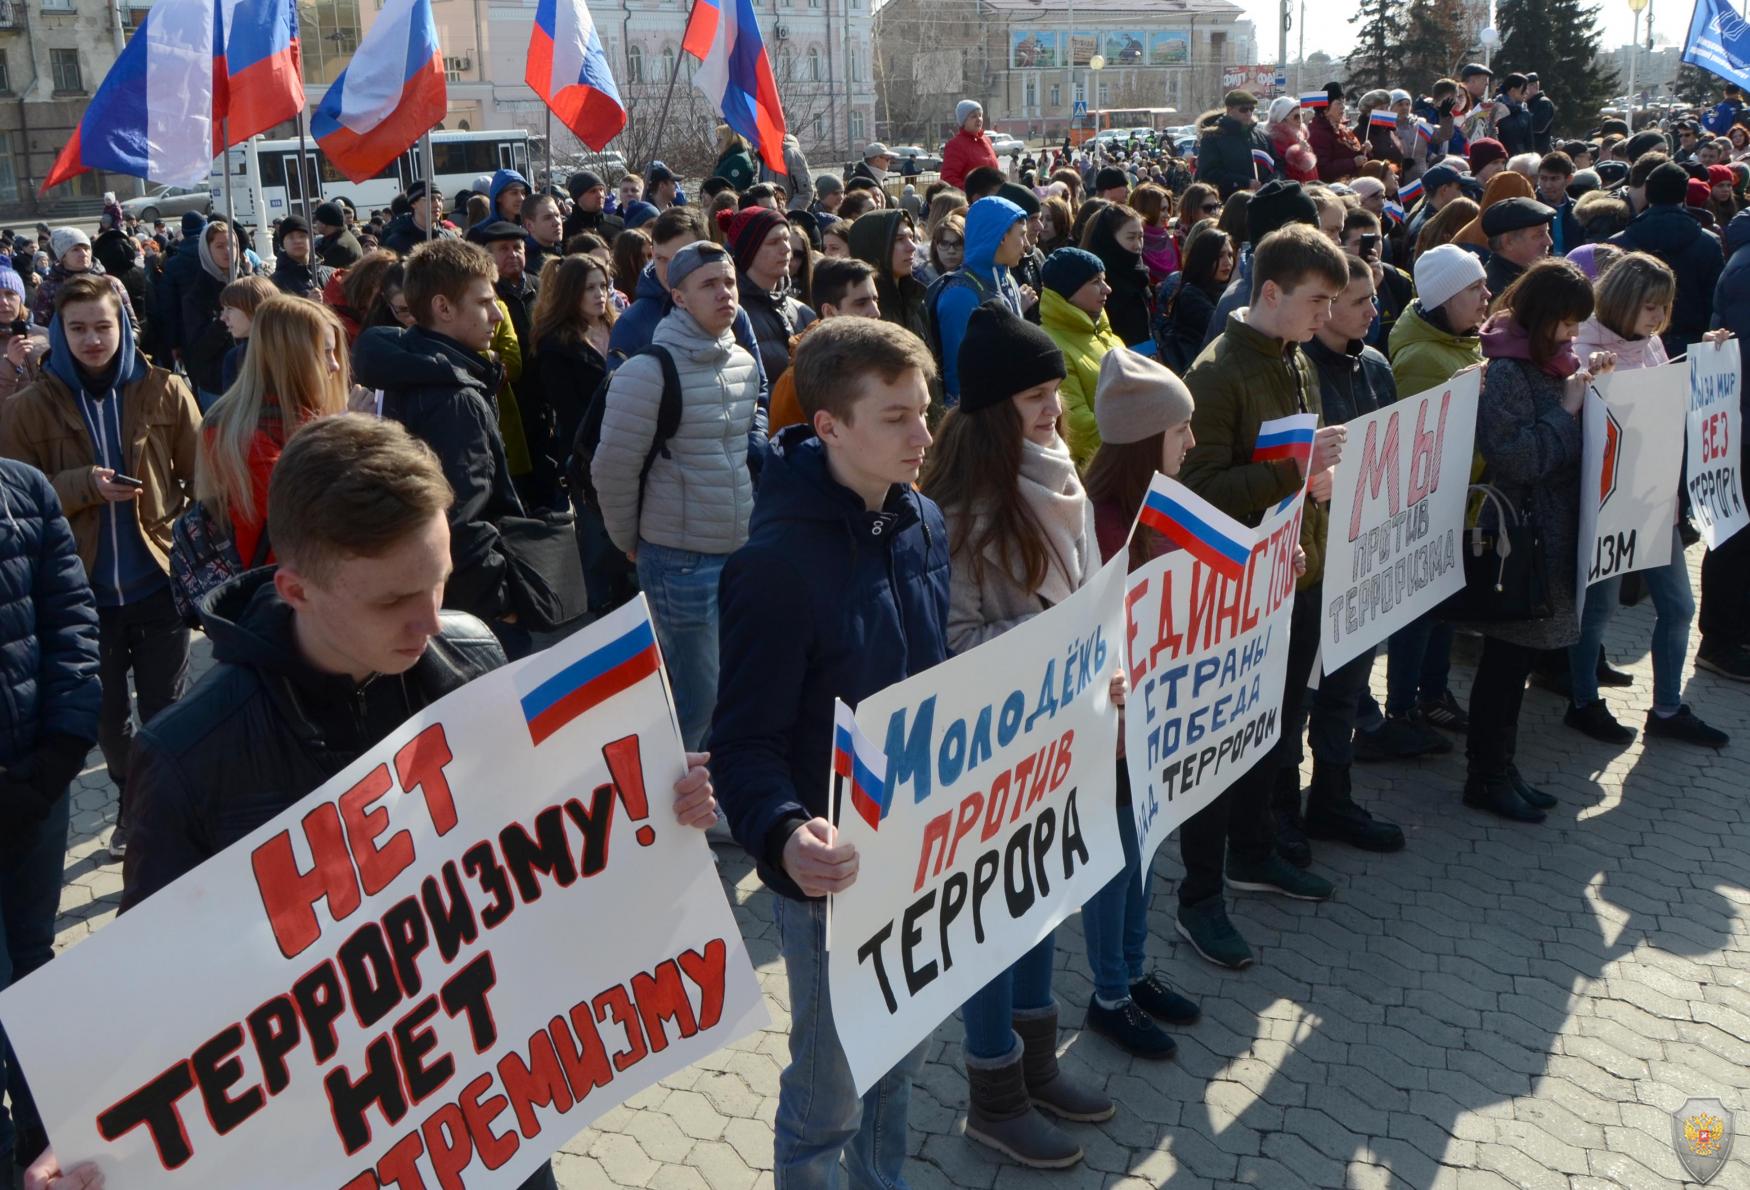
(1001, 1115)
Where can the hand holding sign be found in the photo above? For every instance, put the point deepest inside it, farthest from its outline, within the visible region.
(45, 1174)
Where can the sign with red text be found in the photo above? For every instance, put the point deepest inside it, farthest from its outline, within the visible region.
(1397, 513)
(996, 818)
(1631, 464)
(1715, 482)
(1208, 657)
(433, 971)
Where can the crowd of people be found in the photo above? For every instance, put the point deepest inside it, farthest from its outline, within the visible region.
(836, 428)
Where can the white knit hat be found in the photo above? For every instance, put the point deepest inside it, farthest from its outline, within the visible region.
(964, 109)
(1366, 187)
(63, 240)
(1399, 95)
(1280, 107)
(1444, 271)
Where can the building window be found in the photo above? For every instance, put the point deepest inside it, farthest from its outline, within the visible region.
(634, 64)
(819, 128)
(57, 5)
(786, 64)
(5, 74)
(8, 177)
(328, 32)
(1030, 98)
(814, 3)
(813, 65)
(856, 128)
(852, 70)
(1056, 95)
(65, 66)
(667, 63)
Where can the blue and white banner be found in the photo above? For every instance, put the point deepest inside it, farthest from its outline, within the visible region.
(1719, 40)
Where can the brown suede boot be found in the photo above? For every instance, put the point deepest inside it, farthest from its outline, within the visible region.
(1048, 1086)
(1002, 1116)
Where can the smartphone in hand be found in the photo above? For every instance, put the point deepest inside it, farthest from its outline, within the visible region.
(127, 481)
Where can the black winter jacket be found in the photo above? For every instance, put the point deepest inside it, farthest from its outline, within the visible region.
(448, 396)
(263, 729)
(49, 690)
(825, 600)
(565, 375)
(341, 250)
(297, 279)
(1669, 233)
(603, 224)
(1180, 330)
(403, 235)
(1224, 153)
(1732, 292)
(777, 318)
(1352, 383)
(181, 268)
(205, 341)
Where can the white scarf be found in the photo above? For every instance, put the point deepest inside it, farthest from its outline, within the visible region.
(1049, 484)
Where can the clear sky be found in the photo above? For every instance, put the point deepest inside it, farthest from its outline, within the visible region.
(1328, 27)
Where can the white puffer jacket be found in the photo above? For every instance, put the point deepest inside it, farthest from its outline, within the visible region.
(699, 492)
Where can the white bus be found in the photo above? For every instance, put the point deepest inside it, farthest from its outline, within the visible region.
(457, 159)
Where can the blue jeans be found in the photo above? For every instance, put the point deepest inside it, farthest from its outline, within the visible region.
(682, 588)
(990, 1014)
(1673, 608)
(1418, 664)
(1115, 919)
(819, 1113)
(31, 865)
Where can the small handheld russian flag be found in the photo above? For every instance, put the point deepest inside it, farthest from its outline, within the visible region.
(1383, 120)
(1263, 160)
(1197, 526)
(1425, 130)
(1394, 212)
(1288, 437)
(1409, 192)
(861, 763)
(1317, 99)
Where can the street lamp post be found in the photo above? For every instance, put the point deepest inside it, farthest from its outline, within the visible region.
(1634, 54)
(1096, 64)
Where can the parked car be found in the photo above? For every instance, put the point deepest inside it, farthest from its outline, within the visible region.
(608, 166)
(926, 161)
(167, 201)
(1006, 144)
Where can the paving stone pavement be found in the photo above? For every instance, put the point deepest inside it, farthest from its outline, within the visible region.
(1497, 1005)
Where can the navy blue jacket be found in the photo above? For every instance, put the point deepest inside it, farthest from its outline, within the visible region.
(48, 641)
(1667, 231)
(1732, 293)
(825, 600)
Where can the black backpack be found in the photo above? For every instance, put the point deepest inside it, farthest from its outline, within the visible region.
(933, 295)
(589, 430)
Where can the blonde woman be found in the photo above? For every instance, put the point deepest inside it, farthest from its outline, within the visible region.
(296, 370)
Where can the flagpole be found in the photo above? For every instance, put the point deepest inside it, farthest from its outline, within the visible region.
(303, 167)
(674, 76)
(230, 211)
(550, 184)
(430, 184)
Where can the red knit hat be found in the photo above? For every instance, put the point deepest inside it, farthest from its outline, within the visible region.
(1484, 150)
(1720, 175)
(746, 229)
(1698, 193)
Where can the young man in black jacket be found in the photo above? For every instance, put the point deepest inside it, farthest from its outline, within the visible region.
(840, 591)
(321, 657)
(439, 380)
(48, 663)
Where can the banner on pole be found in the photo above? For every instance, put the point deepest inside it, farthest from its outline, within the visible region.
(1397, 512)
(436, 969)
(1715, 482)
(1630, 466)
(1208, 657)
(1719, 41)
(995, 820)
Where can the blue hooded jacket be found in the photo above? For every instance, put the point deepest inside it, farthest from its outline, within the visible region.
(987, 222)
(825, 600)
(125, 570)
(1732, 293)
(501, 179)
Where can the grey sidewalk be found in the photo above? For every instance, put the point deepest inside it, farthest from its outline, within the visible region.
(1495, 1006)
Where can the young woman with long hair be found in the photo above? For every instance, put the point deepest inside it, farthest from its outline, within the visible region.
(632, 251)
(1185, 313)
(1634, 296)
(570, 327)
(358, 288)
(1021, 539)
(1159, 251)
(1058, 219)
(296, 370)
(1115, 235)
(390, 307)
(1528, 432)
(1444, 226)
(238, 303)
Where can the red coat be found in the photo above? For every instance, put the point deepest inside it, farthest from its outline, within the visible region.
(965, 153)
(1293, 157)
(1338, 151)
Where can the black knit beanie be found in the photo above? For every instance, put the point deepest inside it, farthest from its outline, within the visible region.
(1002, 355)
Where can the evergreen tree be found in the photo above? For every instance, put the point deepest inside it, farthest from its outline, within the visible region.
(1374, 61)
(1431, 46)
(1559, 40)
(1697, 85)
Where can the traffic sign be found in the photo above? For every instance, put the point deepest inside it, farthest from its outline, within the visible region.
(1080, 111)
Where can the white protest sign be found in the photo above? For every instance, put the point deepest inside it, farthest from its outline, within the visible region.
(1630, 465)
(436, 969)
(1716, 486)
(997, 819)
(1208, 657)
(1397, 511)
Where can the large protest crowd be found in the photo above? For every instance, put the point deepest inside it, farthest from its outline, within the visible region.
(836, 429)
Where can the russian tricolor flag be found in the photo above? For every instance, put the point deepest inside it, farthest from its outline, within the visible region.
(390, 94)
(1394, 212)
(152, 116)
(568, 69)
(736, 76)
(701, 29)
(1383, 120)
(1315, 99)
(592, 680)
(1288, 437)
(1197, 526)
(264, 81)
(1425, 130)
(1264, 160)
(857, 761)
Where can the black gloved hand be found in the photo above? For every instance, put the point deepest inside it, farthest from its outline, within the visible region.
(22, 808)
(56, 761)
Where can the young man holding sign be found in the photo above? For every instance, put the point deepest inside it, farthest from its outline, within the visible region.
(1254, 372)
(840, 591)
(318, 659)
